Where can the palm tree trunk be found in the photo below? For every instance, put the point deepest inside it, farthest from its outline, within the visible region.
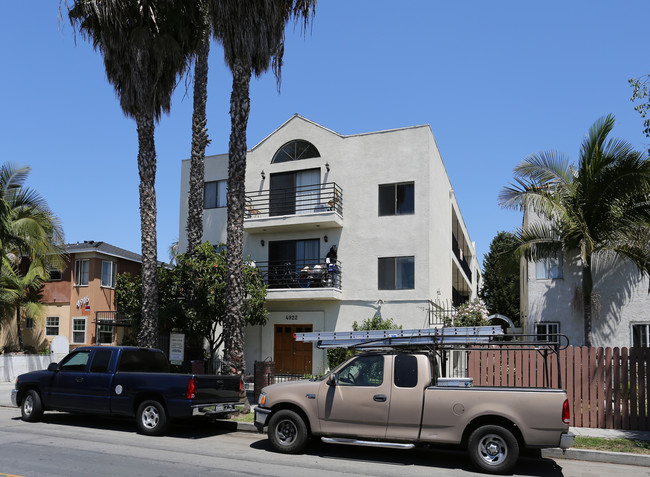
(21, 345)
(234, 320)
(148, 335)
(587, 289)
(199, 143)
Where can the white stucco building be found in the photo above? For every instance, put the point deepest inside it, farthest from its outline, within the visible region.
(551, 300)
(383, 199)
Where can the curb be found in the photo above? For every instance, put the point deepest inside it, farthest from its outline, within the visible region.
(598, 456)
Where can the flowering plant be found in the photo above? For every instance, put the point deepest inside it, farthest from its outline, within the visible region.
(472, 313)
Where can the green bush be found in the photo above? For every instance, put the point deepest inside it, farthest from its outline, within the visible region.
(336, 356)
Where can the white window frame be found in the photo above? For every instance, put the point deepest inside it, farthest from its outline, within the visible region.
(79, 319)
(112, 274)
(81, 272)
(29, 323)
(644, 334)
(49, 323)
(549, 268)
(549, 327)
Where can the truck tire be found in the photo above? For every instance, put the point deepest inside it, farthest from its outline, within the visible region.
(151, 418)
(288, 432)
(31, 408)
(493, 449)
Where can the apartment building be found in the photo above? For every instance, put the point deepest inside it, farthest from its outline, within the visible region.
(79, 300)
(551, 299)
(342, 228)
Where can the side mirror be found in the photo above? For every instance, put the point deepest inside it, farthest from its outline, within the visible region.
(53, 367)
(331, 381)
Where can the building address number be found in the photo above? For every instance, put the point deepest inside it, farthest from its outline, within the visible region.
(291, 317)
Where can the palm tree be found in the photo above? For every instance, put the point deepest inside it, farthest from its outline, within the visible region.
(200, 138)
(597, 209)
(20, 293)
(27, 225)
(252, 35)
(146, 45)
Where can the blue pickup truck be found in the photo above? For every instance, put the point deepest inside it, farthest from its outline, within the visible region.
(124, 381)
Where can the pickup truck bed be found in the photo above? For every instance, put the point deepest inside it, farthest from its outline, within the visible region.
(124, 381)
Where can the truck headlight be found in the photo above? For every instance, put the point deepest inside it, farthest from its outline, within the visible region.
(262, 399)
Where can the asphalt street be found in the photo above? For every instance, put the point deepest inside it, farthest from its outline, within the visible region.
(247, 431)
(72, 445)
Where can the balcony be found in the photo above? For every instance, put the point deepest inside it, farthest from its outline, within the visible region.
(301, 279)
(295, 208)
(460, 256)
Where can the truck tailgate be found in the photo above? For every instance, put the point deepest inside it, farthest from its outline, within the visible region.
(217, 389)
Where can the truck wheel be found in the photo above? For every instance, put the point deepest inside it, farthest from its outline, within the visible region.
(288, 432)
(31, 409)
(151, 418)
(493, 449)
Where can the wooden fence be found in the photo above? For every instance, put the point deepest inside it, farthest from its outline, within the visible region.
(607, 388)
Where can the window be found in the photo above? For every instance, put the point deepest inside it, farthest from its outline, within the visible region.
(288, 257)
(641, 335)
(295, 192)
(397, 199)
(364, 371)
(397, 273)
(109, 272)
(105, 334)
(100, 361)
(54, 275)
(81, 269)
(78, 330)
(29, 323)
(406, 371)
(52, 325)
(548, 268)
(143, 361)
(75, 362)
(214, 194)
(294, 151)
(543, 330)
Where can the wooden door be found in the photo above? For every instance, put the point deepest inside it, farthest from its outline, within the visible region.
(291, 356)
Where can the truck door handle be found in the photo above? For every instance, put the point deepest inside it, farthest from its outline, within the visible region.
(79, 380)
(379, 398)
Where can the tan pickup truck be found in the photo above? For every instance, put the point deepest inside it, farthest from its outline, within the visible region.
(395, 399)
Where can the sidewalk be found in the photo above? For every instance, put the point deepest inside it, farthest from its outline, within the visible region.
(575, 454)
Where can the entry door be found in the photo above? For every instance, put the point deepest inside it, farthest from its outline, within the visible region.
(291, 356)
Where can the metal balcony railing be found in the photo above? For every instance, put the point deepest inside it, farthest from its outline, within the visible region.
(461, 258)
(309, 199)
(315, 273)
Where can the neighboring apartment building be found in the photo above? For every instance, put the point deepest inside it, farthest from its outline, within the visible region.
(551, 300)
(382, 200)
(80, 300)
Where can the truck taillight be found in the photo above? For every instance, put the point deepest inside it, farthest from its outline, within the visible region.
(566, 412)
(191, 388)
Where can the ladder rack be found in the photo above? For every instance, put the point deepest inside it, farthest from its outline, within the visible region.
(426, 337)
(442, 340)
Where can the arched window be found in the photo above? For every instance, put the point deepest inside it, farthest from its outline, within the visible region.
(294, 151)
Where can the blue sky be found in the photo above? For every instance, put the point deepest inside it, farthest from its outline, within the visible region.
(494, 80)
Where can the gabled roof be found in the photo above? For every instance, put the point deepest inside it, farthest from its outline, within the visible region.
(104, 248)
(342, 136)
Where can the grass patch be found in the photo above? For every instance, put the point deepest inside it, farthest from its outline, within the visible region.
(618, 444)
